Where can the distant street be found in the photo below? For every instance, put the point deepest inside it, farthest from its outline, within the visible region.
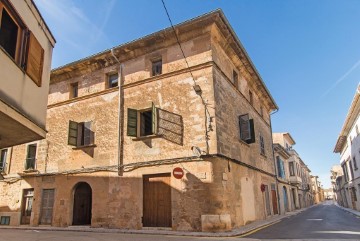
(324, 221)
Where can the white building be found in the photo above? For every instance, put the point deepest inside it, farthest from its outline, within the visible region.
(26, 45)
(348, 146)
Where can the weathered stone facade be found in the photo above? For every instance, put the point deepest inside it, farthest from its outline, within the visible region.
(227, 182)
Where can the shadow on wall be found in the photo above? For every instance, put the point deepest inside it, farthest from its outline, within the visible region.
(123, 202)
(171, 126)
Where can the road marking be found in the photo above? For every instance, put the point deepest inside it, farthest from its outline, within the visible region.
(340, 232)
(314, 219)
(257, 229)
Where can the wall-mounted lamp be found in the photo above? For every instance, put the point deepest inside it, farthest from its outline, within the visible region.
(197, 89)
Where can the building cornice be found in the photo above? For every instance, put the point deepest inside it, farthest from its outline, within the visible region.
(351, 117)
(156, 41)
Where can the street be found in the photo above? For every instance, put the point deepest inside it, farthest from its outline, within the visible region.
(321, 222)
(324, 221)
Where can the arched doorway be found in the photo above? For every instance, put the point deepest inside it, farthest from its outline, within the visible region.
(82, 204)
(286, 204)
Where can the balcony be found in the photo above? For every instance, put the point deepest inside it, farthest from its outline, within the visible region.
(16, 129)
(295, 180)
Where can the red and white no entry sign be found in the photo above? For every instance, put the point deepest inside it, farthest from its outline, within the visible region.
(178, 172)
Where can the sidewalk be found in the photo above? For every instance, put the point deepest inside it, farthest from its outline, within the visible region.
(352, 211)
(236, 232)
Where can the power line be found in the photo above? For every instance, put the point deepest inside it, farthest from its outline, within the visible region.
(177, 39)
(192, 76)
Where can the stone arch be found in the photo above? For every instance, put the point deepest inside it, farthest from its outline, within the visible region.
(82, 205)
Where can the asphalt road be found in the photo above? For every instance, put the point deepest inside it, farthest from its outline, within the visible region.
(324, 221)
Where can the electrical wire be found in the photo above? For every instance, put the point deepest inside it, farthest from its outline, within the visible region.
(192, 76)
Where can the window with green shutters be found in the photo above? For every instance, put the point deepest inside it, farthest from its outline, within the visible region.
(80, 134)
(142, 122)
(247, 131)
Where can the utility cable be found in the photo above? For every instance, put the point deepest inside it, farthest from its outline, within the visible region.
(192, 76)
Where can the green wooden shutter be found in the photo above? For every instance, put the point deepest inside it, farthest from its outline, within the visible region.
(252, 132)
(154, 119)
(244, 126)
(278, 161)
(73, 133)
(87, 133)
(132, 123)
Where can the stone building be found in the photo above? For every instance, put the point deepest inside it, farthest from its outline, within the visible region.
(287, 199)
(182, 143)
(336, 172)
(26, 45)
(293, 174)
(348, 146)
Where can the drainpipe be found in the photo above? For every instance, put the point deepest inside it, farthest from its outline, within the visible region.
(276, 178)
(120, 161)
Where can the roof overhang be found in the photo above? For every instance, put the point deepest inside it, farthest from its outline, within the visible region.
(155, 40)
(281, 150)
(350, 119)
(16, 129)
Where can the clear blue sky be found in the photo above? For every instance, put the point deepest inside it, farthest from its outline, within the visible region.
(307, 52)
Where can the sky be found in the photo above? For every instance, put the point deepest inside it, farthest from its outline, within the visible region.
(307, 52)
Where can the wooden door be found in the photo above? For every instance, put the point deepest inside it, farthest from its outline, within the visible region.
(26, 207)
(157, 200)
(82, 204)
(274, 201)
(353, 197)
(267, 201)
(47, 204)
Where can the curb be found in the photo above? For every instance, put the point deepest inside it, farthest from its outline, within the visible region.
(351, 211)
(241, 232)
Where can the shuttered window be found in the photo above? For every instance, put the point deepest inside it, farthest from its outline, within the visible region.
(132, 122)
(142, 122)
(235, 79)
(80, 134)
(35, 60)
(246, 126)
(157, 67)
(30, 157)
(3, 155)
(262, 145)
(280, 166)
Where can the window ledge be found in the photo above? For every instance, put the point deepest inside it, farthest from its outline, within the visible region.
(30, 171)
(263, 155)
(244, 143)
(140, 138)
(84, 147)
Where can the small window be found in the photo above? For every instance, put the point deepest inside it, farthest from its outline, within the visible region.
(262, 145)
(235, 79)
(8, 33)
(3, 155)
(5, 220)
(251, 100)
(355, 163)
(157, 67)
(80, 134)
(246, 127)
(261, 111)
(291, 169)
(30, 157)
(20, 43)
(142, 122)
(74, 88)
(113, 80)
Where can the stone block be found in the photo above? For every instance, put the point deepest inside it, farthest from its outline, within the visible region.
(215, 223)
